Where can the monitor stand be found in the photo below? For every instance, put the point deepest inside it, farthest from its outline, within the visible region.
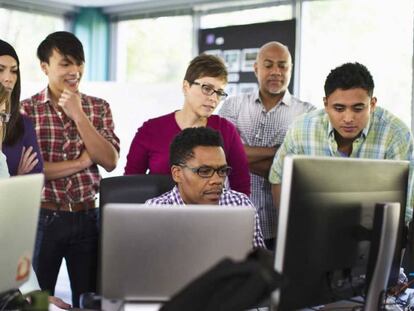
(386, 224)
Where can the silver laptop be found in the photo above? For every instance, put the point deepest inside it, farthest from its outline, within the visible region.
(150, 252)
(19, 209)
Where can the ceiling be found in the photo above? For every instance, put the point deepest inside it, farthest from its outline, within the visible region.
(139, 3)
(127, 9)
(98, 3)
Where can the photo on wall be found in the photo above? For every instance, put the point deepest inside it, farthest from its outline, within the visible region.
(238, 45)
(218, 53)
(232, 60)
(233, 77)
(248, 58)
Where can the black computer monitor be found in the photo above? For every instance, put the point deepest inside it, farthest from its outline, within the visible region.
(326, 226)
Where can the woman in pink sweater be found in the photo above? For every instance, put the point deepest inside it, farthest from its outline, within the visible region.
(203, 85)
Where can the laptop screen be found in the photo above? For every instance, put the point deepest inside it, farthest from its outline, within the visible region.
(151, 252)
(19, 209)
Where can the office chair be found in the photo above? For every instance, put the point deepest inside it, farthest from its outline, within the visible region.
(133, 188)
(125, 189)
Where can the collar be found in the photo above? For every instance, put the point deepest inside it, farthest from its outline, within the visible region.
(286, 99)
(44, 97)
(179, 200)
(177, 196)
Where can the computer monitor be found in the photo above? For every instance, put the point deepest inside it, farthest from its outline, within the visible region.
(150, 252)
(19, 209)
(326, 226)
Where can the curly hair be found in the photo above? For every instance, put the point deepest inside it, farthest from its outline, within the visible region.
(349, 76)
(181, 148)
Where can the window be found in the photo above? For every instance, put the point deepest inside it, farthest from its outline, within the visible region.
(261, 15)
(378, 34)
(24, 31)
(154, 50)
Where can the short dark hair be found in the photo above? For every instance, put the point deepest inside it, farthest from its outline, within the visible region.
(65, 42)
(205, 65)
(181, 148)
(349, 76)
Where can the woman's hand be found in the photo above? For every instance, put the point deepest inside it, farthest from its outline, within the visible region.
(28, 161)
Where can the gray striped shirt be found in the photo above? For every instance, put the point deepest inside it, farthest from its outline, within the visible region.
(260, 128)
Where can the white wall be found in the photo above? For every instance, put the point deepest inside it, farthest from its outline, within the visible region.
(131, 105)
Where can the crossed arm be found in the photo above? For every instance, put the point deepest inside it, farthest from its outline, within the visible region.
(97, 149)
(260, 159)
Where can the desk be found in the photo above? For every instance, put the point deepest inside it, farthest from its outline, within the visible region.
(142, 306)
(127, 307)
(348, 305)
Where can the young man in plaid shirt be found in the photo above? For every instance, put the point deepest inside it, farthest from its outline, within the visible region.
(199, 168)
(75, 134)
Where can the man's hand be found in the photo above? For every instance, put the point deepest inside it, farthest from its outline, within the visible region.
(59, 303)
(28, 161)
(71, 104)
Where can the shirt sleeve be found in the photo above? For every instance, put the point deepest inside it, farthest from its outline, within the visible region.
(258, 240)
(138, 155)
(287, 147)
(236, 157)
(402, 149)
(107, 126)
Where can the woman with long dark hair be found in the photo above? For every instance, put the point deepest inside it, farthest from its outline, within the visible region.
(20, 143)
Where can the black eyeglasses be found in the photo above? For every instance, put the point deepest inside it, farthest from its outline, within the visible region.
(208, 90)
(208, 171)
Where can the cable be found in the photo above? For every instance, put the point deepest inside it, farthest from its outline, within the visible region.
(15, 294)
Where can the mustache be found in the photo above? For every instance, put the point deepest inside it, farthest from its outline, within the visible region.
(214, 190)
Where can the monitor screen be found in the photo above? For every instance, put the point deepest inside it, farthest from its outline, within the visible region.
(326, 219)
(150, 252)
(19, 209)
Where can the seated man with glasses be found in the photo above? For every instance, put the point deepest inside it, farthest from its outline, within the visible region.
(199, 168)
(203, 89)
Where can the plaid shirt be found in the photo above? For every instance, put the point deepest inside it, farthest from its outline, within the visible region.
(261, 128)
(59, 140)
(228, 198)
(385, 137)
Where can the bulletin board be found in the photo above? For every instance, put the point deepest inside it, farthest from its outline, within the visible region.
(238, 46)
